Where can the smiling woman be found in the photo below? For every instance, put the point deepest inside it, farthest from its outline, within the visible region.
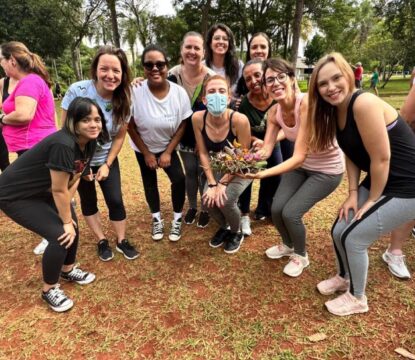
(160, 112)
(43, 204)
(110, 88)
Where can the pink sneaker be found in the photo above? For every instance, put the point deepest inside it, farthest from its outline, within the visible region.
(332, 285)
(347, 304)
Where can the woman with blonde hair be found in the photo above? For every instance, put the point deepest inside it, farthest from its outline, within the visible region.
(377, 141)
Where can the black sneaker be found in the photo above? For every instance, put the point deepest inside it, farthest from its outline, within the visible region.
(125, 248)
(157, 232)
(190, 216)
(233, 242)
(104, 250)
(219, 238)
(259, 216)
(203, 220)
(79, 276)
(57, 300)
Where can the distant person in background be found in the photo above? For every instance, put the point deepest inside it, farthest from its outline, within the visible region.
(110, 88)
(374, 80)
(358, 75)
(29, 108)
(220, 55)
(190, 75)
(58, 91)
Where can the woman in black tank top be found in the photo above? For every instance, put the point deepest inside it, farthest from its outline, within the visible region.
(213, 129)
(377, 141)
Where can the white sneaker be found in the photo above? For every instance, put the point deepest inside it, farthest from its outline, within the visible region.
(246, 225)
(176, 230)
(278, 251)
(296, 265)
(396, 265)
(41, 247)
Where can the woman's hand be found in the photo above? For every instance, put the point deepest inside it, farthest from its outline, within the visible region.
(220, 196)
(89, 177)
(67, 238)
(251, 176)
(151, 161)
(209, 197)
(165, 160)
(257, 144)
(102, 172)
(138, 81)
(365, 207)
(349, 204)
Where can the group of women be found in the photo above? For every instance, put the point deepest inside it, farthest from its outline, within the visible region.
(199, 107)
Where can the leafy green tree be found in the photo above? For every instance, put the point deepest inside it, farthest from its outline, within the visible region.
(314, 50)
(37, 23)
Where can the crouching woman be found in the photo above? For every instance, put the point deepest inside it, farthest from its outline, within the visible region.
(36, 192)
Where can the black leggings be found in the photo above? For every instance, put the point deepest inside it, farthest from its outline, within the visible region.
(4, 153)
(41, 216)
(111, 189)
(176, 176)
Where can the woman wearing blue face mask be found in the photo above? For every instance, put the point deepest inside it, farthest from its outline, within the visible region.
(214, 129)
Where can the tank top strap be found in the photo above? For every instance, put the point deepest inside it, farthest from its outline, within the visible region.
(351, 103)
(298, 99)
(204, 121)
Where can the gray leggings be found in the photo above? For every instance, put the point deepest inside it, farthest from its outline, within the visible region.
(193, 172)
(230, 213)
(297, 193)
(352, 239)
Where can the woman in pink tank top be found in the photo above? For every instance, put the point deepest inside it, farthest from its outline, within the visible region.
(307, 177)
(29, 110)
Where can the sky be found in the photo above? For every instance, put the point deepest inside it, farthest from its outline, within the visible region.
(163, 7)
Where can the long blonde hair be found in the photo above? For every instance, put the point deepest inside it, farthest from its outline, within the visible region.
(322, 117)
(27, 61)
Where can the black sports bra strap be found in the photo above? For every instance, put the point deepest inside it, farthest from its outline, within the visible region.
(204, 120)
(230, 120)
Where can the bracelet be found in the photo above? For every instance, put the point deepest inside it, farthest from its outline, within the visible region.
(108, 165)
(224, 183)
(212, 185)
(350, 190)
(1, 119)
(67, 223)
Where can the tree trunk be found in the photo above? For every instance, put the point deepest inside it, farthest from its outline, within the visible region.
(75, 56)
(114, 22)
(285, 39)
(205, 17)
(299, 9)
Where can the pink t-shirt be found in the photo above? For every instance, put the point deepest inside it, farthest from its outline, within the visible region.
(329, 162)
(24, 137)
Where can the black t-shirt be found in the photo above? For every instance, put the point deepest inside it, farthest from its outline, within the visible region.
(401, 178)
(29, 175)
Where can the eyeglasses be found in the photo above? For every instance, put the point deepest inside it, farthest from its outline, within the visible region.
(160, 65)
(220, 37)
(281, 78)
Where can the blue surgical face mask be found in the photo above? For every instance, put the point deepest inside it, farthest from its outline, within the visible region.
(216, 103)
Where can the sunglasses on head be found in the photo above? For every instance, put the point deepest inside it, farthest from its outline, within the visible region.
(160, 65)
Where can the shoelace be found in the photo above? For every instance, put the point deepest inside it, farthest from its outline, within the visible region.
(157, 227)
(295, 259)
(56, 295)
(397, 259)
(176, 227)
(77, 274)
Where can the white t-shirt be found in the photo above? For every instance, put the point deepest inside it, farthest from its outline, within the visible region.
(158, 120)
